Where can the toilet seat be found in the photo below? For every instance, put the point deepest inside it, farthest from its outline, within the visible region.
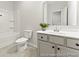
(21, 40)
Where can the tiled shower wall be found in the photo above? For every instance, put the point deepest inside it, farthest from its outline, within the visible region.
(65, 28)
(6, 16)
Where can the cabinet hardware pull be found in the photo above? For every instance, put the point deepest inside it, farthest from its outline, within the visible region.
(53, 47)
(58, 48)
(77, 44)
(41, 37)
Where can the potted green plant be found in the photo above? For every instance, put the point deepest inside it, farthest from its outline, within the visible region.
(43, 26)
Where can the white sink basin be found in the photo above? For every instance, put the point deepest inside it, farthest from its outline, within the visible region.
(61, 32)
(51, 31)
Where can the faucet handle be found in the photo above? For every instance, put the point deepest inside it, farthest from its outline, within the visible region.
(56, 29)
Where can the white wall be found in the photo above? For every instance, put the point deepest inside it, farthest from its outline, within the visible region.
(28, 17)
(7, 18)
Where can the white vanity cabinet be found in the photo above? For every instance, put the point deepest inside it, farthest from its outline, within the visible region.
(61, 51)
(58, 46)
(46, 49)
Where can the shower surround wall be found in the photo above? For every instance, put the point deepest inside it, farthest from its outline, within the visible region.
(7, 18)
(19, 16)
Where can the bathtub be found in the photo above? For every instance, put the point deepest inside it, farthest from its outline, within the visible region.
(7, 38)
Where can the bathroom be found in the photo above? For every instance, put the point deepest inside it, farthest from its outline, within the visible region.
(18, 19)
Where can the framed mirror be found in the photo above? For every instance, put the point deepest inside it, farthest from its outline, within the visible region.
(60, 12)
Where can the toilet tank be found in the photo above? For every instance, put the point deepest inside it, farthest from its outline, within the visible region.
(28, 33)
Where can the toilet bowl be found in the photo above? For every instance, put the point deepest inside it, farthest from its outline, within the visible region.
(21, 43)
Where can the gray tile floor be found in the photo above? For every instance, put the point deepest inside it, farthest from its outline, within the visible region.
(13, 52)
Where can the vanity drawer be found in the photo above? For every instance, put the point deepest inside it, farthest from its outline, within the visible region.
(73, 43)
(42, 37)
(56, 39)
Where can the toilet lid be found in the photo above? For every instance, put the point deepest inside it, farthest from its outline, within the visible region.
(20, 40)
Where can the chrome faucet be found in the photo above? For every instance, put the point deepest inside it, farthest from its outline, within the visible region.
(56, 29)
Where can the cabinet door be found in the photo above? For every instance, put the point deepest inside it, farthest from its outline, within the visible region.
(46, 49)
(61, 51)
(66, 52)
(72, 52)
(56, 39)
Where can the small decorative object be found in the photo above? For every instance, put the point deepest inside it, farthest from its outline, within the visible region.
(43, 26)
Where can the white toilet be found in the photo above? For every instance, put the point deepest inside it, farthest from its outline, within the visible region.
(21, 43)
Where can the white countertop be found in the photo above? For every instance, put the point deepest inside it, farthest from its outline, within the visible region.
(61, 33)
